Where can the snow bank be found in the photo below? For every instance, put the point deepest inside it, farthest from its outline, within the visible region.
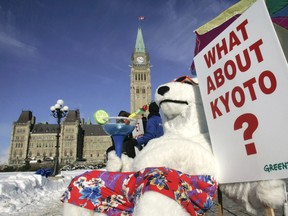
(30, 194)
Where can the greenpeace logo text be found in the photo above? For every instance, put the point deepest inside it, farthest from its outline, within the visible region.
(276, 167)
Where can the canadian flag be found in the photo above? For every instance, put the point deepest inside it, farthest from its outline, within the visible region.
(141, 17)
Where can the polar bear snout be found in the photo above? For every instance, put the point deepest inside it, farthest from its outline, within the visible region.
(162, 90)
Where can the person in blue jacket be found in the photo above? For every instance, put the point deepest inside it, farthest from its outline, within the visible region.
(153, 127)
(152, 130)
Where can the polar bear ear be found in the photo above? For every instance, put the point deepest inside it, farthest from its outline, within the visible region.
(185, 79)
(195, 79)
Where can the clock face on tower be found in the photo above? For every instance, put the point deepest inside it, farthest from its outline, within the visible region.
(140, 59)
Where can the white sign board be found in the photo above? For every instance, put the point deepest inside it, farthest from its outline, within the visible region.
(243, 79)
(139, 129)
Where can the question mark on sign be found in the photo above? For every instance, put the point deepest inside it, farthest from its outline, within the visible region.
(252, 122)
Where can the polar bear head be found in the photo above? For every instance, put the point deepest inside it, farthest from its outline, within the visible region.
(181, 106)
(185, 144)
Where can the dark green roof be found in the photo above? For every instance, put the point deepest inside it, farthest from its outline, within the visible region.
(93, 130)
(45, 128)
(72, 116)
(140, 46)
(24, 117)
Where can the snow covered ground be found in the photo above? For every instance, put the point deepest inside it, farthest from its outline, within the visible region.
(29, 194)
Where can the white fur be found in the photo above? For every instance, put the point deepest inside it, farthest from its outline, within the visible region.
(185, 146)
(115, 163)
(73, 210)
(255, 196)
(148, 205)
(126, 163)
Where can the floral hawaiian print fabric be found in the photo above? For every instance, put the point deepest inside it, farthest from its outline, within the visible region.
(115, 193)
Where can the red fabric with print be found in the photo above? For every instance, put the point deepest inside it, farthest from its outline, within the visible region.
(115, 193)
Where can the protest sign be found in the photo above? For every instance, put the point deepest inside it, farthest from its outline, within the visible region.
(243, 79)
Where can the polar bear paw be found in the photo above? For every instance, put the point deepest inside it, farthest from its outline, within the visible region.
(114, 163)
(256, 196)
(270, 193)
(126, 163)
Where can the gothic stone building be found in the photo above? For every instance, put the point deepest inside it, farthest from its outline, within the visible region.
(78, 140)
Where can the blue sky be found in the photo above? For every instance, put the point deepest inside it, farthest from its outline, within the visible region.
(79, 51)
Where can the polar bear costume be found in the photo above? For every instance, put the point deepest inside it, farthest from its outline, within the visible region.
(185, 147)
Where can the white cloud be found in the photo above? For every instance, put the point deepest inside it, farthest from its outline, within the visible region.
(10, 38)
(15, 46)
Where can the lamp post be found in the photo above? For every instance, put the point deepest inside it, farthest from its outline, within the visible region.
(59, 111)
